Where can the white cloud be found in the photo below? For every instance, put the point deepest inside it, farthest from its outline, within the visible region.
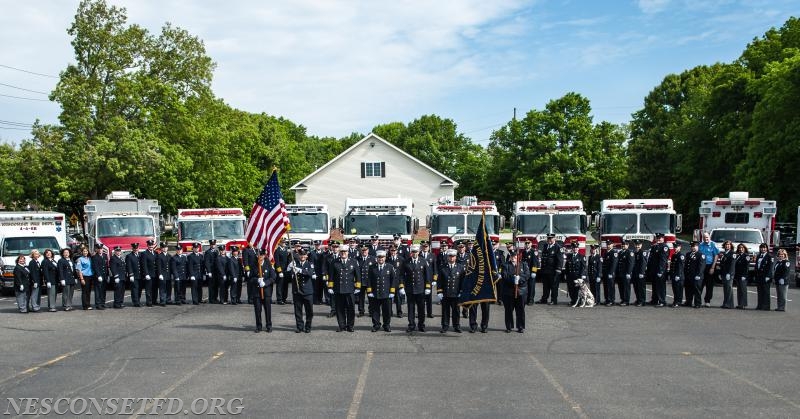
(652, 6)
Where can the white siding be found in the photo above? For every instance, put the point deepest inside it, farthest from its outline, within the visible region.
(405, 178)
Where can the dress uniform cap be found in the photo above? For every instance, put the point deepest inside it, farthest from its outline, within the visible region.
(364, 247)
(316, 242)
(451, 252)
(397, 235)
(594, 246)
(221, 247)
(374, 237)
(116, 248)
(444, 243)
(234, 248)
(163, 245)
(380, 253)
(151, 243)
(694, 243)
(344, 249)
(423, 243)
(300, 252)
(659, 234)
(262, 252)
(461, 245)
(196, 245)
(98, 244)
(415, 248)
(212, 242)
(178, 247)
(551, 236)
(134, 245)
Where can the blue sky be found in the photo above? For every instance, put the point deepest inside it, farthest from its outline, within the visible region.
(338, 67)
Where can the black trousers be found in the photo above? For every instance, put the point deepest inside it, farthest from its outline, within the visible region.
(762, 288)
(639, 289)
(554, 281)
(416, 308)
(572, 290)
(708, 282)
(223, 290)
(547, 286)
(250, 292)
(473, 315)
(380, 309)
(595, 287)
(429, 304)
(282, 288)
(692, 290)
(100, 293)
(301, 303)
(677, 291)
(197, 291)
(399, 300)
(450, 309)
(531, 289)
(361, 299)
(514, 306)
(345, 310)
(119, 292)
(86, 291)
(214, 284)
(148, 291)
(659, 289)
(136, 290)
(164, 291)
(179, 286)
(624, 289)
(236, 291)
(258, 305)
(608, 289)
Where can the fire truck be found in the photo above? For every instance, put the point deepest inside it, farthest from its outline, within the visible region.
(740, 219)
(621, 220)
(21, 232)
(120, 220)
(455, 221)
(225, 225)
(310, 222)
(533, 220)
(384, 217)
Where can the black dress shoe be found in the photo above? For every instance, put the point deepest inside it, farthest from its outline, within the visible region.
(443, 331)
(457, 330)
(298, 330)
(137, 305)
(269, 330)
(149, 304)
(508, 330)
(472, 330)
(331, 315)
(421, 329)
(307, 330)
(430, 316)
(375, 329)
(350, 329)
(256, 330)
(520, 330)
(483, 330)
(541, 302)
(387, 329)
(338, 329)
(409, 329)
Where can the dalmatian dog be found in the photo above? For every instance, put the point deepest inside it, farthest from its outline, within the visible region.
(585, 297)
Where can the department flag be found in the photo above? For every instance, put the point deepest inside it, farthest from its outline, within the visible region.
(481, 273)
(268, 218)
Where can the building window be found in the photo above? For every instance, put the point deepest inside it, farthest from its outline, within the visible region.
(373, 169)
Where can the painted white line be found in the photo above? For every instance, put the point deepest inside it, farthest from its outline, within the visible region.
(358, 394)
(123, 298)
(182, 380)
(745, 380)
(559, 388)
(773, 296)
(668, 294)
(36, 368)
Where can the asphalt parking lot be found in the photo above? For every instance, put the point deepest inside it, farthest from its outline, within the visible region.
(571, 362)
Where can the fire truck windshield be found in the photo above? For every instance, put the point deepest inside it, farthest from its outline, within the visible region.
(447, 224)
(567, 223)
(533, 223)
(125, 227)
(391, 224)
(619, 223)
(360, 224)
(736, 236)
(657, 223)
(15, 246)
(492, 223)
(309, 223)
(211, 229)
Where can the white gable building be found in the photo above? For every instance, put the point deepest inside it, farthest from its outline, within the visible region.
(374, 168)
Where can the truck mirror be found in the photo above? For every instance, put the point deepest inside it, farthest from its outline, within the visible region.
(502, 222)
(697, 235)
(416, 225)
(679, 223)
(776, 238)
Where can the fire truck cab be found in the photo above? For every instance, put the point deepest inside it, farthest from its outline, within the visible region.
(122, 219)
(384, 217)
(740, 219)
(455, 221)
(620, 220)
(534, 220)
(225, 225)
(310, 222)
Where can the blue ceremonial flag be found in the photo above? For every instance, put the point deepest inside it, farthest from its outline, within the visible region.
(481, 272)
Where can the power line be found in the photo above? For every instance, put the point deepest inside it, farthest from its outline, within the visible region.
(27, 71)
(19, 124)
(21, 88)
(26, 98)
(18, 129)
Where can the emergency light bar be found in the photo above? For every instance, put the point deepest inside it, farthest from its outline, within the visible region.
(214, 211)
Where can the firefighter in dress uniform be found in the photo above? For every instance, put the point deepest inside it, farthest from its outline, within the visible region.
(416, 285)
(594, 271)
(303, 275)
(575, 269)
(196, 262)
(382, 283)
(344, 280)
(263, 276)
(450, 279)
(695, 264)
(117, 277)
(515, 278)
(179, 269)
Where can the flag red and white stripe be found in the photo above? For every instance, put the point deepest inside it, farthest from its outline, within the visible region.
(268, 218)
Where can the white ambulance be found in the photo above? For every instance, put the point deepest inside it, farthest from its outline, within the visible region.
(21, 232)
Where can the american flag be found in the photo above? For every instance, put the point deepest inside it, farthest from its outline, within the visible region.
(268, 218)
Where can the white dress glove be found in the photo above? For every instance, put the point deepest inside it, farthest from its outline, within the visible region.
(49, 285)
(131, 278)
(533, 275)
(100, 278)
(161, 277)
(516, 279)
(658, 275)
(116, 280)
(208, 275)
(766, 279)
(357, 291)
(427, 292)
(780, 282)
(610, 276)
(224, 277)
(21, 287)
(391, 295)
(697, 278)
(641, 276)
(597, 279)
(193, 279)
(280, 275)
(35, 285)
(147, 277)
(402, 291)
(433, 284)
(63, 283)
(330, 290)
(261, 283)
(727, 277)
(235, 279)
(314, 276)
(371, 295)
(440, 296)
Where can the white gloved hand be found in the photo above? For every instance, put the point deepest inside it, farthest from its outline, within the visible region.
(427, 292)
(402, 291)
(440, 296)
(641, 276)
(371, 295)
(330, 290)
(116, 280)
(193, 278)
(766, 279)
(727, 277)
(21, 287)
(224, 277)
(533, 275)
(100, 278)
(235, 279)
(147, 277)
(208, 275)
(63, 283)
(627, 276)
(161, 277)
(433, 284)
(35, 285)
(597, 279)
(131, 278)
(314, 276)
(780, 282)
(298, 270)
(49, 285)
(659, 275)
(391, 295)
(261, 283)
(697, 278)
(280, 275)
(516, 279)
(357, 291)
(610, 276)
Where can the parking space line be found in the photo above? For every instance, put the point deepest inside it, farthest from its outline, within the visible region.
(668, 294)
(559, 388)
(352, 413)
(741, 378)
(773, 296)
(182, 380)
(35, 368)
(123, 298)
